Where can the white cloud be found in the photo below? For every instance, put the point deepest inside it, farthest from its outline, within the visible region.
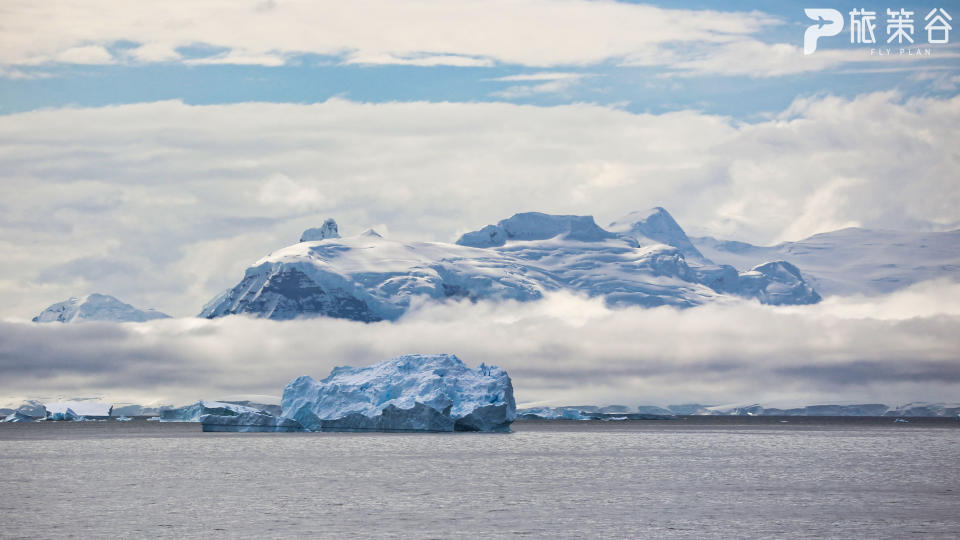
(753, 58)
(239, 57)
(154, 52)
(548, 83)
(286, 192)
(90, 54)
(15, 73)
(419, 60)
(518, 91)
(461, 32)
(543, 76)
(562, 350)
(155, 186)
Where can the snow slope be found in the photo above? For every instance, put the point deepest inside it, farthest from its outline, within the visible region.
(96, 307)
(369, 278)
(852, 261)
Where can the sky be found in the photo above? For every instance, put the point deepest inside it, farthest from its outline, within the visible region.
(153, 151)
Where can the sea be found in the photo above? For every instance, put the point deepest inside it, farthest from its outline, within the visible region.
(692, 477)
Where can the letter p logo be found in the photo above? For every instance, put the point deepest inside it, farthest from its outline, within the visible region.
(829, 23)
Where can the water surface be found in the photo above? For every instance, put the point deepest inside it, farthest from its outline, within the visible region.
(687, 478)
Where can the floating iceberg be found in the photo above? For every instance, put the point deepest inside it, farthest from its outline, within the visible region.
(249, 422)
(407, 393)
(194, 412)
(124, 419)
(554, 413)
(65, 415)
(135, 410)
(592, 412)
(17, 417)
(89, 409)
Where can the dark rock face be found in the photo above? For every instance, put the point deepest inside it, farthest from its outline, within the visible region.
(289, 294)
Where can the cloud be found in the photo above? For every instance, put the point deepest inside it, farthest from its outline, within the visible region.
(564, 349)
(419, 60)
(543, 76)
(184, 197)
(19, 74)
(90, 54)
(239, 57)
(154, 52)
(745, 56)
(451, 32)
(548, 83)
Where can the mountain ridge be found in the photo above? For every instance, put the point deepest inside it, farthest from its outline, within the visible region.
(369, 278)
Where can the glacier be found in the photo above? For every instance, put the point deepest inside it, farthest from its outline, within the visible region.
(852, 260)
(96, 307)
(408, 393)
(645, 259)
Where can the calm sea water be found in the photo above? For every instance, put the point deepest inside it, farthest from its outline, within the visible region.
(692, 478)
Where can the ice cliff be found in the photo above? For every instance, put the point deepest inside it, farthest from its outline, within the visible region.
(407, 393)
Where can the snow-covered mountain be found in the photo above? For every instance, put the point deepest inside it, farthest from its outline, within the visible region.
(369, 278)
(96, 307)
(853, 260)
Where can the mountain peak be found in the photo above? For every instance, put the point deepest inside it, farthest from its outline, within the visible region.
(329, 229)
(96, 307)
(658, 225)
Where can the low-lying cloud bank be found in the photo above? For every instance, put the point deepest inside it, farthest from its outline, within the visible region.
(564, 349)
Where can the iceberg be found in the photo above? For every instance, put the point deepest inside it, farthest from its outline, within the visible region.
(247, 422)
(124, 419)
(89, 409)
(32, 408)
(408, 393)
(592, 412)
(194, 412)
(66, 415)
(135, 410)
(18, 417)
(553, 413)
